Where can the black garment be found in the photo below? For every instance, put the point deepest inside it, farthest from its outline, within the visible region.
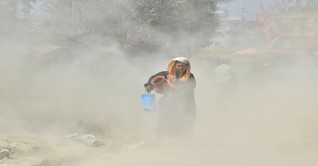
(177, 109)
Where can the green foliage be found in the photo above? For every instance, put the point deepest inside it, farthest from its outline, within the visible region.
(59, 19)
(15, 14)
(8, 17)
(26, 7)
(158, 22)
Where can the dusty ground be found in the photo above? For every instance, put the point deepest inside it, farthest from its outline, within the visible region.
(243, 138)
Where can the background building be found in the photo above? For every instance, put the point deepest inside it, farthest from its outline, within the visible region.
(233, 34)
(301, 5)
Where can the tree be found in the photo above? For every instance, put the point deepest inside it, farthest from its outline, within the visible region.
(159, 23)
(15, 14)
(178, 19)
(26, 7)
(59, 19)
(8, 11)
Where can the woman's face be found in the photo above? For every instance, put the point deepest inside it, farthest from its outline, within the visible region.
(181, 67)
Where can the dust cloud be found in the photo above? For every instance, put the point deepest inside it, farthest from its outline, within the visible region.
(270, 118)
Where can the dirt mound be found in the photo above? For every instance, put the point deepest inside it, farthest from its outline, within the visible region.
(26, 150)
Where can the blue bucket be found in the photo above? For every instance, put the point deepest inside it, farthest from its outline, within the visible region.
(149, 102)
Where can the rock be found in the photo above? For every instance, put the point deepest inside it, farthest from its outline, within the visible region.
(4, 153)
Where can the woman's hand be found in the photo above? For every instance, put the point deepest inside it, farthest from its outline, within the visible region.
(172, 78)
(148, 89)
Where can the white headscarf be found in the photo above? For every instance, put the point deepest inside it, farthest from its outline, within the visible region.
(180, 59)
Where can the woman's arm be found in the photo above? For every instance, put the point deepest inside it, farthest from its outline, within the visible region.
(149, 85)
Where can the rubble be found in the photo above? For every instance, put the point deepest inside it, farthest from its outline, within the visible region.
(4, 153)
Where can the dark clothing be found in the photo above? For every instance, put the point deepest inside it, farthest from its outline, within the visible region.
(177, 109)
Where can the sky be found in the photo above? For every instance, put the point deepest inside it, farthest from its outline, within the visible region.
(37, 8)
(235, 7)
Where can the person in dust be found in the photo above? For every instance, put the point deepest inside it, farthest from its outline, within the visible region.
(177, 108)
(224, 82)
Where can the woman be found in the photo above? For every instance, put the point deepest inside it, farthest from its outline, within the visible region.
(177, 109)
